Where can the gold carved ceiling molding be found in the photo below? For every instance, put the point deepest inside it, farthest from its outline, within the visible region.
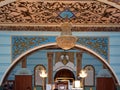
(2, 0)
(45, 28)
(115, 1)
(47, 16)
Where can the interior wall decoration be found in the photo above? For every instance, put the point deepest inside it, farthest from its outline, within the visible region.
(21, 44)
(58, 57)
(98, 44)
(37, 79)
(54, 13)
(64, 60)
(90, 79)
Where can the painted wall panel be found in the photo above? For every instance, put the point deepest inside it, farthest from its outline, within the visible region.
(116, 68)
(114, 50)
(87, 56)
(5, 58)
(114, 54)
(114, 40)
(3, 68)
(115, 59)
(5, 40)
(5, 50)
(37, 54)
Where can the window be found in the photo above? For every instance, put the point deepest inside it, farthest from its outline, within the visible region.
(37, 79)
(90, 79)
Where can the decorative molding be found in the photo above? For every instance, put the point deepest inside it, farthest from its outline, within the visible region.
(70, 66)
(55, 29)
(2, 0)
(28, 16)
(5, 2)
(59, 54)
(115, 1)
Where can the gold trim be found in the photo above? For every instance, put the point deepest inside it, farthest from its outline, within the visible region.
(57, 28)
(59, 25)
(63, 78)
(117, 2)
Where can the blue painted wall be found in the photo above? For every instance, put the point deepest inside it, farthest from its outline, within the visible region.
(5, 47)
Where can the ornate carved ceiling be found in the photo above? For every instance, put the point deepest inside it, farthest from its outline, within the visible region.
(48, 15)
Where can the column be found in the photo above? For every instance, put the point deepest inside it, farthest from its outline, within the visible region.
(78, 62)
(24, 63)
(50, 67)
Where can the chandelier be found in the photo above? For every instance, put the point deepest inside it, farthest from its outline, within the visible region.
(43, 74)
(66, 40)
(83, 74)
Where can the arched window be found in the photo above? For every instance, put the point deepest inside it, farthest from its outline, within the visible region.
(90, 79)
(37, 78)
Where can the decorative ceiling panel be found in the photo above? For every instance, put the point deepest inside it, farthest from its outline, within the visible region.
(51, 14)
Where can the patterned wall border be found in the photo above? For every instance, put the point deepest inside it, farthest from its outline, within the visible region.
(22, 43)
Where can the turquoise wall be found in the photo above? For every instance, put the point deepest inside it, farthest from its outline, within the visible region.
(5, 46)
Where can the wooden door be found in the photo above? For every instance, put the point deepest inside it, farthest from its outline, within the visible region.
(105, 84)
(23, 82)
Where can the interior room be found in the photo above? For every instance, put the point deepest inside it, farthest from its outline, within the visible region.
(59, 45)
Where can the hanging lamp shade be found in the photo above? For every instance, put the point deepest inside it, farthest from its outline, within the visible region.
(66, 40)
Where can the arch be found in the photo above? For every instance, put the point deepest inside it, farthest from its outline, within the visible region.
(90, 75)
(63, 73)
(110, 3)
(37, 70)
(79, 47)
(58, 66)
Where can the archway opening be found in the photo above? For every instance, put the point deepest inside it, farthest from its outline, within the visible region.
(64, 74)
(54, 46)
